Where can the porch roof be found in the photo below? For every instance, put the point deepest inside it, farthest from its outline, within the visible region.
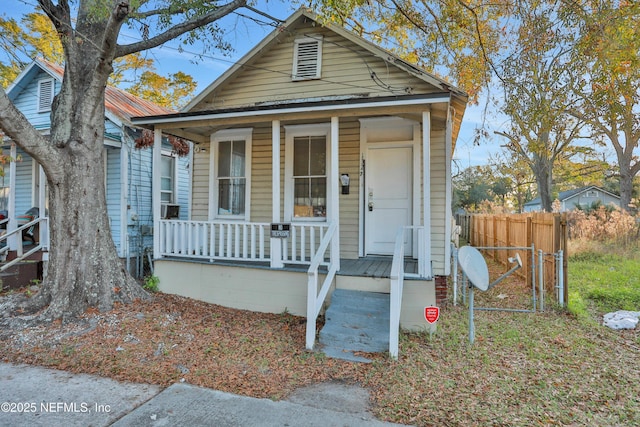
(198, 125)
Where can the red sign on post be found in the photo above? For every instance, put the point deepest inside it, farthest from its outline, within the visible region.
(431, 314)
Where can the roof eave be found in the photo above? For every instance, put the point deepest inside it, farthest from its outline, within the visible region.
(291, 108)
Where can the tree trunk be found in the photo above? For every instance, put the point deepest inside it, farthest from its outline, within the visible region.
(544, 180)
(626, 181)
(84, 269)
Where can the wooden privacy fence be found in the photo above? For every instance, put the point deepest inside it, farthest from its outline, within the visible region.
(547, 232)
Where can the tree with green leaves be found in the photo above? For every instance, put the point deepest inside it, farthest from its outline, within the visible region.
(608, 50)
(522, 183)
(84, 269)
(471, 187)
(460, 39)
(536, 79)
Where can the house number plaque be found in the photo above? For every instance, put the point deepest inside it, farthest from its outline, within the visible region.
(280, 231)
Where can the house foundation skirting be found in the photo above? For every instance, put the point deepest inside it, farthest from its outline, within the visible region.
(267, 290)
(257, 289)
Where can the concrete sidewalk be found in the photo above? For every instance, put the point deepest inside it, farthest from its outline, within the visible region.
(35, 396)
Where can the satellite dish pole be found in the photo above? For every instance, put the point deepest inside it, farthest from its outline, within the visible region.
(474, 266)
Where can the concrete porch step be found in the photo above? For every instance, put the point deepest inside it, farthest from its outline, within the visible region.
(355, 321)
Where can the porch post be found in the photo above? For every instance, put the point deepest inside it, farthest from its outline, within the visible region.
(276, 244)
(13, 219)
(155, 189)
(43, 235)
(333, 196)
(426, 189)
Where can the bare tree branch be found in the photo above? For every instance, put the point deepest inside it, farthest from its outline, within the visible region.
(16, 126)
(180, 29)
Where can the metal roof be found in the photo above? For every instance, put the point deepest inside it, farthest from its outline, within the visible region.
(117, 101)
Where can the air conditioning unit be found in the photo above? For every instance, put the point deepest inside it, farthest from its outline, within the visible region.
(168, 211)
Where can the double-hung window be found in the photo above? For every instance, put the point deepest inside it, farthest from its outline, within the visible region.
(167, 179)
(306, 169)
(231, 165)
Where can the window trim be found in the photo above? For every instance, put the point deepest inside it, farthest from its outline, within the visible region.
(174, 178)
(295, 76)
(291, 132)
(41, 92)
(245, 134)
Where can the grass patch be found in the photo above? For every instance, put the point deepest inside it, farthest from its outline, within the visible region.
(603, 282)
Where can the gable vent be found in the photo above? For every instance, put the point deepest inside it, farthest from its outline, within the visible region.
(45, 95)
(307, 58)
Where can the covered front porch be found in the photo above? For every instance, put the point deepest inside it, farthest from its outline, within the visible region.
(247, 212)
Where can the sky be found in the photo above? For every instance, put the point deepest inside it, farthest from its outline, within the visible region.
(243, 34)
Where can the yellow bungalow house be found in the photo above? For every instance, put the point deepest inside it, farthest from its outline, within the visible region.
(320, 161)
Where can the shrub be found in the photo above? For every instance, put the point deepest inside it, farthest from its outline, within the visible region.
(151, 283)
(605, 225)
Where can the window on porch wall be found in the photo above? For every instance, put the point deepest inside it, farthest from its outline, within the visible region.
(231, 178)
(167, 179)
(310, 177)
(4, 193)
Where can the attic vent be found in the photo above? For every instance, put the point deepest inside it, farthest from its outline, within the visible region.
(307, 58)
(592, 193)
(45, 95)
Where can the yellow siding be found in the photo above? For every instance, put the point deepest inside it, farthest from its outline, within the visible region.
(261, 172)
(346, 71)
(200, 190)
(349, 208)
(438, 209)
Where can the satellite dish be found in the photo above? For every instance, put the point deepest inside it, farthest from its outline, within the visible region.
(474, 267)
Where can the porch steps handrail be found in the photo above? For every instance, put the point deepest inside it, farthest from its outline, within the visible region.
(315, 299)
(397, 276)
(20, 254)
(395, 298)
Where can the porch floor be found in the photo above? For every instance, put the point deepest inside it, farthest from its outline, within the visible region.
(370, 266)
(374, 266)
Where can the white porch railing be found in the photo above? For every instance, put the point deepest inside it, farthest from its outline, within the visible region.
(238, 241)
(397, 282)
(315, 299)
(303, 243)
(212, 240)
(43, 242)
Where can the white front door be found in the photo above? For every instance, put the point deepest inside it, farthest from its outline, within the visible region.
(388, 197)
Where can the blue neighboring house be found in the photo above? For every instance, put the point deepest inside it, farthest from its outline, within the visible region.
(583, 197)
(128, 169)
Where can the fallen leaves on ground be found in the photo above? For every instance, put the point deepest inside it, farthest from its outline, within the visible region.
(524, 368)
